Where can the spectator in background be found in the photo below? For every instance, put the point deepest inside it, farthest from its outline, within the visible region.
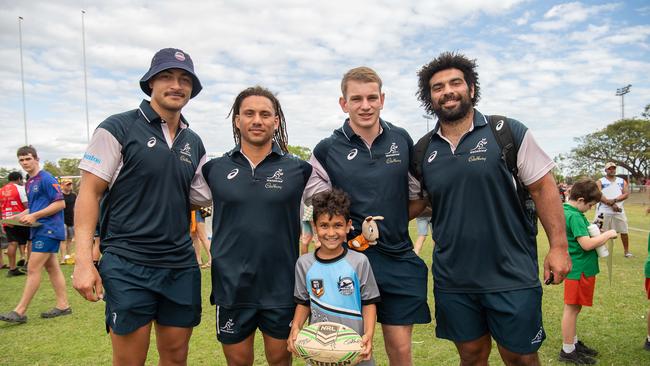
(615, 191)
(13, 201)
(68, 219)
(423, 222)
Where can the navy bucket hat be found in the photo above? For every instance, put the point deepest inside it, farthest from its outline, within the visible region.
(170, 58)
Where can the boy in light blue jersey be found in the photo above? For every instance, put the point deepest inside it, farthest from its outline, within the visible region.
(332, 283)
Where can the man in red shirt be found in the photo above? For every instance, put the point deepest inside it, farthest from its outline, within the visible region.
(13, 200)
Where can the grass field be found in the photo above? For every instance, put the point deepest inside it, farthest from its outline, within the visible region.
(615, 325)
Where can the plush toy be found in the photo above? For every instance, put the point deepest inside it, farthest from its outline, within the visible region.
(369, 234)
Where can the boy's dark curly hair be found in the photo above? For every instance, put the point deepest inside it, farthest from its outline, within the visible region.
(333, 203)
(447, 60)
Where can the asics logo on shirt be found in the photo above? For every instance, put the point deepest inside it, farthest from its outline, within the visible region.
(480, 147)
(151, 142)
(432, 156)
(233, 173)
(499, 125)
(352, 154)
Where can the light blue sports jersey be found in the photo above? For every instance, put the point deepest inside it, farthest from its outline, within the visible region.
(335, 289)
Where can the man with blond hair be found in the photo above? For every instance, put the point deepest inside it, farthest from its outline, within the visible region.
(368, 158)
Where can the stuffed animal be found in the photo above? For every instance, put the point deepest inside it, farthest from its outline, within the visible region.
(369, 234)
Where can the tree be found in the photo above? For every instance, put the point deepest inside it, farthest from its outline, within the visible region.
(646, 112)
(65, 167)
(52, 168)
(625, 142)
(69, 166)
(300, 151)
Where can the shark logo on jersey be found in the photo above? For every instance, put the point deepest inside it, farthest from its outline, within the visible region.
(317, 287)
(480, 147)
(151, 142)
(345, 285)
(432, 156)
(352, 154)
(228, 327)
(186, 150)
(233, 173)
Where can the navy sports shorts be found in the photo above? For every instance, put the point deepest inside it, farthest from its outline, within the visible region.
(235, 325)
(402, 285)
(512, 318)
(136, 294)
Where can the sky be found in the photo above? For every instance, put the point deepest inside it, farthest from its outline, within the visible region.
(553, 65)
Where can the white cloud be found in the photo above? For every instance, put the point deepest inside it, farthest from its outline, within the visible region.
(569, 14)
(300, 51)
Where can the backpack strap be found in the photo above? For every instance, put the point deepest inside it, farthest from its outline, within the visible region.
(415, 164)
(503, 134)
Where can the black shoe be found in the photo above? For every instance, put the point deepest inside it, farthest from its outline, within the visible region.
(582, 348)
(14, 272)
(20, 263)
(647, 345)
(576, 358)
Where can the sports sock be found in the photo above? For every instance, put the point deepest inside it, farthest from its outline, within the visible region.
(568, 348)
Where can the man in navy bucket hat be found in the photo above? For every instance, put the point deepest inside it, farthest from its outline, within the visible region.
(170, 58)
(144, 166)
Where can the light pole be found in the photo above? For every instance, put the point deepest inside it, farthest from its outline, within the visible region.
(428, 118)
(22, 74)
(621, 92)
(83, 43)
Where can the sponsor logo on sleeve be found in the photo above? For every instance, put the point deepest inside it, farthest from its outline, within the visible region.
(92, 158)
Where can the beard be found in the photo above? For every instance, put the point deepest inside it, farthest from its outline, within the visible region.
(455, 115)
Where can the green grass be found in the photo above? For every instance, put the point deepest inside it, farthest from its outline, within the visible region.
(615, 325)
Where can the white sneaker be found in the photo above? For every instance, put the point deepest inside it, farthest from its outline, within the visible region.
(628, 255)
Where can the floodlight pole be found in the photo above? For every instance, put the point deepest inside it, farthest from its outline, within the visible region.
(621, 93)
(83, 43)
(428, 118)
(22, 74)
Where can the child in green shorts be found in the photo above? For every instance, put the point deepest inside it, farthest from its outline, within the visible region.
(580, 282)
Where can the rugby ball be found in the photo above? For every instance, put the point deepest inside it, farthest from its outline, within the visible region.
(327, 343)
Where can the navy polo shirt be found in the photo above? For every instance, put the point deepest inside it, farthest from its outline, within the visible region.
(145, 213)
(483, 241)
(255, 228)
(375, 178)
